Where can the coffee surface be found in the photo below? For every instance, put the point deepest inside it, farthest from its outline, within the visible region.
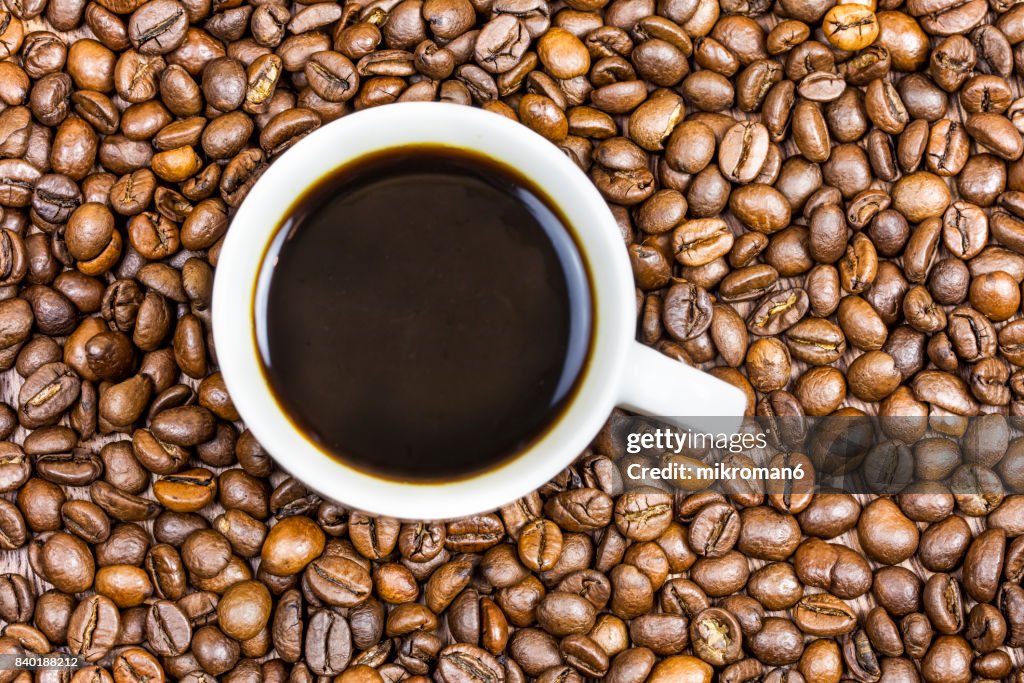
(426, 314)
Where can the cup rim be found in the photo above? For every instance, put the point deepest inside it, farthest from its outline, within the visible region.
(258, 220)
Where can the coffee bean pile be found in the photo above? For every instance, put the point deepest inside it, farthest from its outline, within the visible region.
(832, 192)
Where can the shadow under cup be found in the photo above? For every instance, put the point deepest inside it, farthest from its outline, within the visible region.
(424, 314)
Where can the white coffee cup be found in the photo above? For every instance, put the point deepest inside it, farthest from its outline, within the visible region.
(620, 371)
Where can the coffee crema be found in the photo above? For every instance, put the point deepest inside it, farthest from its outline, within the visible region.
(423, 314)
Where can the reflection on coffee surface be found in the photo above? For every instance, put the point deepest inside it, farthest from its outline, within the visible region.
(423, 314)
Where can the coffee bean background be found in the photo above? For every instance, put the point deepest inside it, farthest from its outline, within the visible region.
(788, 359)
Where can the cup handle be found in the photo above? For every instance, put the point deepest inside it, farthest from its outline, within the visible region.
(659, 386)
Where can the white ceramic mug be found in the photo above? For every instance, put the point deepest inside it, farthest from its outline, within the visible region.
(620, 371)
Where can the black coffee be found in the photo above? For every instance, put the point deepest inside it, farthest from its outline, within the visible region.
(423, 314)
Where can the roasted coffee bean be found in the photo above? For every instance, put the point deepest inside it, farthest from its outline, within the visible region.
(17, 598)
(338, 581)
(215, 652)
(823, 615)
(168, 629)
(779, 642)
(743, 151)
(885, 533)
(982, 564)
(714, 530)
(816, 341)
(244, 610)
(93, 628)
(643, 514)
(777, 312)
(464, 663)
(716, 636)
(834, 568)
